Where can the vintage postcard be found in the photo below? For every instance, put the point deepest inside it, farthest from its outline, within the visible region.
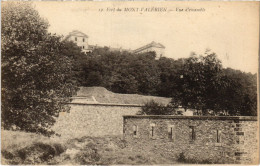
(129, 83)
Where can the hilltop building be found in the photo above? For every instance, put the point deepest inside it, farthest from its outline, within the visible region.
(158, 48)
(80, 38)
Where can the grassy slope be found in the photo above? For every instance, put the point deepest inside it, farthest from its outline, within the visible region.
(102, 95)
(27, 148)
(17, 147)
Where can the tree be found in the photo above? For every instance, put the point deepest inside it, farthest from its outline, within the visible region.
(36, 76)
(204, 85)
(197, 82)
(123, 72)
(79, 59)
(242, 89)
(146, 72)
(170, 72)
(154, 108)
(94, 79)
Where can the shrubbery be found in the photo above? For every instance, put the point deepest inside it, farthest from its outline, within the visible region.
(154, 108)
(183, 159)
(36, 153)
(198, 82)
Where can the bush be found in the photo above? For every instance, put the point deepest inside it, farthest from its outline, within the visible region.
(34, 154)
(154, 108)
(58, 149)
(37, 153)
(89, 156)
(7, 155)
(181, 158)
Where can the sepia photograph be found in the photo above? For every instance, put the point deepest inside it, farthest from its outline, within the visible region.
(129, 82)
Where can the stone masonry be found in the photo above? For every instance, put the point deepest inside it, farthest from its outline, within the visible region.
(93, 119)
(215, 139)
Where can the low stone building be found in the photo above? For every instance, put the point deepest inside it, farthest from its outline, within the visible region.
(214, 139)
(93, 119)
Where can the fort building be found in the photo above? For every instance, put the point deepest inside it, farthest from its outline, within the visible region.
(81, 39)
(158, 48)
(217, 139)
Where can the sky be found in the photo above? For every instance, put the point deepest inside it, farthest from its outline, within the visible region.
(230, 29)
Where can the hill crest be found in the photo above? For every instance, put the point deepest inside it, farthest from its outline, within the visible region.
(102, 95)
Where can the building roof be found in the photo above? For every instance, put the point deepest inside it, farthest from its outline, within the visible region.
(152, 44)
(76, 33)
(240, 118)
(92, 47)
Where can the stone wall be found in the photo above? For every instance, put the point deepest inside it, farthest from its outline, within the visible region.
(93, 119)
(214, 139)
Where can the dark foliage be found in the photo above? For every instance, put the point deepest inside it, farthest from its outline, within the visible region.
(154, 108)
(36, 153)
(198, 82)
(183, 159)
(37, 77)
(122, 72)
(89, 155)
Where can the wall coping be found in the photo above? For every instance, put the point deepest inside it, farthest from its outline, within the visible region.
(106, 104)
(242, 118)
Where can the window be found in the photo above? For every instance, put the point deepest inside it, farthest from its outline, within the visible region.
(171, 132)
(152, 126)
(192, 133)
(83, 39)
(218, 136)
(135, 130)
(75, 38)
(124, 130)
(83, 47)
